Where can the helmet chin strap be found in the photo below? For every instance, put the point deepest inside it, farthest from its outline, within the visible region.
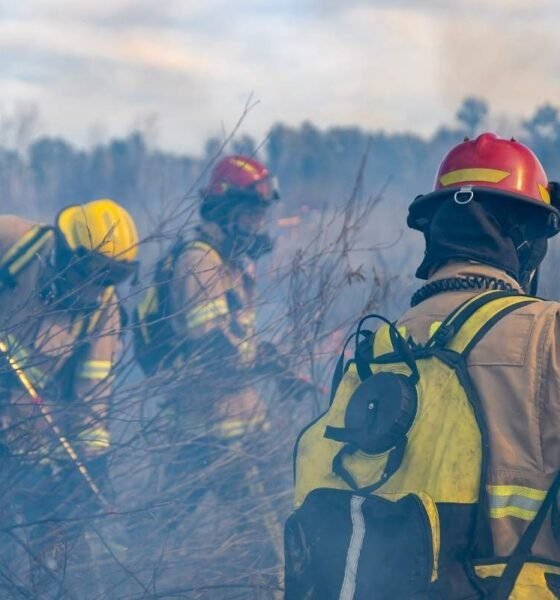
(237, 242)
(530, 257)
(533, 283)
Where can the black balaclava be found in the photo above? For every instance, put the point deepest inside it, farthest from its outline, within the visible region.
(508, 236)
(218, 209)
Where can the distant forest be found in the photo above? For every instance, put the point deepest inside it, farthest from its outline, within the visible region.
(316, 168)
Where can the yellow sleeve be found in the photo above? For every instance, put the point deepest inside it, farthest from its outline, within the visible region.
(94, 373)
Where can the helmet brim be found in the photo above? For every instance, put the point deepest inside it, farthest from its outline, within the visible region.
(64, 221)
(421, 210)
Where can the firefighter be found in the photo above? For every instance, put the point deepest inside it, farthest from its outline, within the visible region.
(195, 332)
(434, 472)
(60, 327)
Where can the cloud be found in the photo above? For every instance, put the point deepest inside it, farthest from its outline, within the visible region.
(72, 40)
(514, 67)
(392, 64)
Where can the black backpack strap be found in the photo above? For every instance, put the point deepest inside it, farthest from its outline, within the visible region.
(457, 319)
(522, 551)
(165, 265)
(108, 296)
(464, 329)
(340, 367)
(471, 322)
(85, 325)
(394, 461)
(152, 306)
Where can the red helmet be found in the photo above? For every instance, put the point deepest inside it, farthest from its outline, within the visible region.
(242, 176)
(504, 169)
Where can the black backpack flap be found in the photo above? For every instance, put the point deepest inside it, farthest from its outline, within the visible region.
(154, 338)
(379, 548)
(156, 344)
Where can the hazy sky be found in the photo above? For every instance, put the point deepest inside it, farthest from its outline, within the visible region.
(186, 68)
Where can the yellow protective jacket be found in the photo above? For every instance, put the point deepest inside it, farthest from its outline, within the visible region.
(515, 369)
(66, 353)
(208, 306)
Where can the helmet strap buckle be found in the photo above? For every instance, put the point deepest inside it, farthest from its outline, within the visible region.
(464, 195)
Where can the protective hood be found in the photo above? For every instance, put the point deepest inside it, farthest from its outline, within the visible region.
(478, 231)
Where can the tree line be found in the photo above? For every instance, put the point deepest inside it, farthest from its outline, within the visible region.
(316, 167)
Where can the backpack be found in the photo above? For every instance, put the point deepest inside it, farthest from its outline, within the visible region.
(154, 339)
(14, 261)
(388, 490)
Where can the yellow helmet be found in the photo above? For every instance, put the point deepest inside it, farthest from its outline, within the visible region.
(100, 226)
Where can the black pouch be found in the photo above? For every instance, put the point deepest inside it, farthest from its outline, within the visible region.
(154, 341)
(379, 549)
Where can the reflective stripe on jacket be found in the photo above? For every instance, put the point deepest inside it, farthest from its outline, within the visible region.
(209, 294)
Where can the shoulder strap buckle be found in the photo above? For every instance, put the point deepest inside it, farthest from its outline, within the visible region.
(444, 334)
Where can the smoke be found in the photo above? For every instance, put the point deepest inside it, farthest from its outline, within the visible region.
(510, 58)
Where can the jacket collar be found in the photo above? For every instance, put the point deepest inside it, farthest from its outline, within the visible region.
(214, 235)
(469, 269)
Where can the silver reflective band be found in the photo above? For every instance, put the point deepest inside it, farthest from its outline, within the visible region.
(514, 501)
(518, 501)
(513, 506)
(354, 549)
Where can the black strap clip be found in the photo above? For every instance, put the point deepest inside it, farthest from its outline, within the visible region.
(444, 334)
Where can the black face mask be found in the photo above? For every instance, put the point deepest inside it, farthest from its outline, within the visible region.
(240, 241)
(485, 232)
(262, 244)
(467, 232)
(237, 241)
